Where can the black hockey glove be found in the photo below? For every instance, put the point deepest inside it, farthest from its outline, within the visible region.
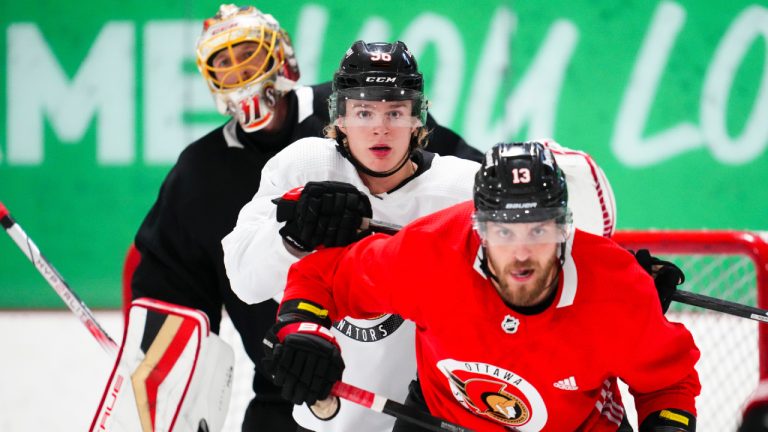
(301, 354)
(666, 275)
(669, 420)
(326, 213)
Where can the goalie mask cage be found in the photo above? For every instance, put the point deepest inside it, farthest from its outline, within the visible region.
(729, 265)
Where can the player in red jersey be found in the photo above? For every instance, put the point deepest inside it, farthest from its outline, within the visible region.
(523, 323)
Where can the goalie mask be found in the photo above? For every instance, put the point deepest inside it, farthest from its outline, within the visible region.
(521, 183)
(383, 72)
(248, 63)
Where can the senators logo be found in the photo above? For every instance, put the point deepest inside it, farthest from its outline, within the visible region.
(506, 408)
(376, 329)
(496, 394)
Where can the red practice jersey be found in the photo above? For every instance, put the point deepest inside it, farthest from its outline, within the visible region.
(488, 367)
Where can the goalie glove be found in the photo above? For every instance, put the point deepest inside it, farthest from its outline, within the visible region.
(326, 213)
(669, 420)
(666, 275)
(301, 354)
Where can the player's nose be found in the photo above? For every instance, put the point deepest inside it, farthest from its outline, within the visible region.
(520, 252)
(380, 126)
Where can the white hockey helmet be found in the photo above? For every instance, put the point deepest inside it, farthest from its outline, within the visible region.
(247, 88)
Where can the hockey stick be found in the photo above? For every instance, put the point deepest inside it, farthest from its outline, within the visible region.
(719, 305)
(76, 305)
(680, 296)
(383, 405)
(380, 226)
(55, 280)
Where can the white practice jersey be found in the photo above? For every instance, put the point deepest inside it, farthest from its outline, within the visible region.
(590, 196)
(379, 353)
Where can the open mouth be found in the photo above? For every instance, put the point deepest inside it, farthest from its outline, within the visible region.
(521, 274)
(381, 150)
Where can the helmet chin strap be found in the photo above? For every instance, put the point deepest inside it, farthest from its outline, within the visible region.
(485, 268)
(342, 148)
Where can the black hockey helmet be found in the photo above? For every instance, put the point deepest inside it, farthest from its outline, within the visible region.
(378, 64)
(378, 71)
(520, 182)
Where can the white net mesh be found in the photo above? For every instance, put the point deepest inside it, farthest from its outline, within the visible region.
(729, 366)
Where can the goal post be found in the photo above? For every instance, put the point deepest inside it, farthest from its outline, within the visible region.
(738, 243)
(729, 265)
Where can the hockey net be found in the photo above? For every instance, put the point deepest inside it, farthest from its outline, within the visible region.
(734, 351)
(723, 264)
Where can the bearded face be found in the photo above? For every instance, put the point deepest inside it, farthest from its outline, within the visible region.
(524, 259)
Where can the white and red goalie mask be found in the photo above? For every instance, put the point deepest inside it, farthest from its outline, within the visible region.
(248, 62)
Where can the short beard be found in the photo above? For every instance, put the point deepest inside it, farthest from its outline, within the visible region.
(532, 292)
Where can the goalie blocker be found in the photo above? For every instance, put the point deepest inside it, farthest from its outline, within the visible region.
(172, 373)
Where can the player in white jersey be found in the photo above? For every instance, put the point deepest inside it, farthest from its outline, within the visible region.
(374, 166)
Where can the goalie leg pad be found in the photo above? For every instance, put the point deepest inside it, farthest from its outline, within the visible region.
(172, 373)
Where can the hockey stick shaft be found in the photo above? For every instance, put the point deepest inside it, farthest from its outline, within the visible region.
(719, 305)
(54, 279)
(381, 226)
(383, 405)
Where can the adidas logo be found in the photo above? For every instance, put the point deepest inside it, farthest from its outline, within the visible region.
(566, 384)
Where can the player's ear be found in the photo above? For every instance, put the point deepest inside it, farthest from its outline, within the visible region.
(416, 126)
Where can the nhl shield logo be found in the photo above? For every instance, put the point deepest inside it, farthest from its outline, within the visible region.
(509, 324)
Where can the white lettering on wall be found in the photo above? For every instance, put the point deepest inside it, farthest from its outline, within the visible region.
(103, 87)
(534, 101)
(751, 24)
(169, 92)
(628, 143)
(101, 93)
(308, 41)
(493, 65)
(444, 90)
(374, 29)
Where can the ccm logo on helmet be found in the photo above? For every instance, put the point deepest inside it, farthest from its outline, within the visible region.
(380, 79)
